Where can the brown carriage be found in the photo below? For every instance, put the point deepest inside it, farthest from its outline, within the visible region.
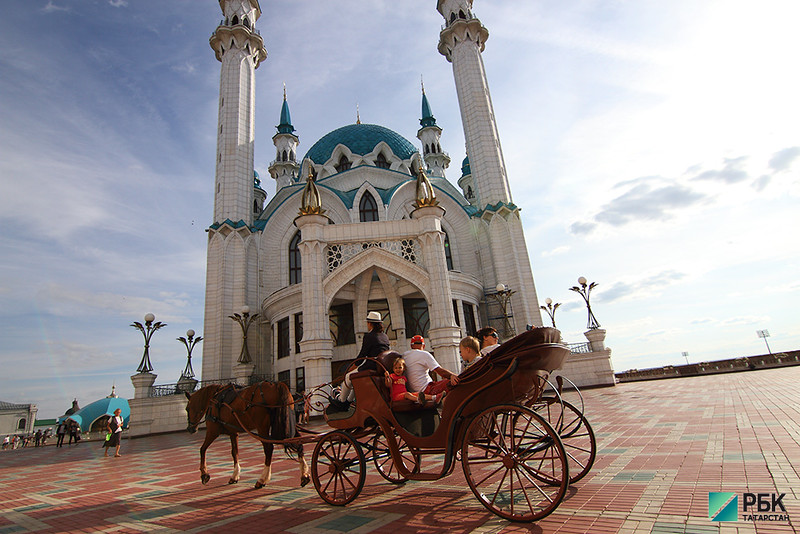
(509, 438)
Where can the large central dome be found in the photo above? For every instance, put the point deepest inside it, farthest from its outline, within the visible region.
(360, 139)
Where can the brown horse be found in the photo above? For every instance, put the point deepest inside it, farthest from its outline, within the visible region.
(262, 410)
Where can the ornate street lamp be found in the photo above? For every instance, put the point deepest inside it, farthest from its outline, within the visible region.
(503, 297)
(551, 309)
(764, 334)
(147, 331)
(245, 320)
(584, 291)
(189, 344)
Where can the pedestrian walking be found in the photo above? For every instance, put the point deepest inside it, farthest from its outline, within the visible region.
(61, 431)
(115, 429)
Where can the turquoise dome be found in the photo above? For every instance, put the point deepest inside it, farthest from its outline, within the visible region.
(360, 139)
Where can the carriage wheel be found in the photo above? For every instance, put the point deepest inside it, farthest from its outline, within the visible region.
(382, 457)
(575, 432)
(514, 463)
(338, 468)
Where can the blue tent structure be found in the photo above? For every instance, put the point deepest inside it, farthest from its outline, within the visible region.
(85, 417)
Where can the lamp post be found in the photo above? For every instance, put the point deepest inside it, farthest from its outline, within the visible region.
(584, 291)
(764, 334)
(551, 309)
(245, 320)
(147, 331)
(189, 344)
(503, 297)
(685, 355)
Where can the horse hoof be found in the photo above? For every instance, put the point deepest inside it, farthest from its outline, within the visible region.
(259, 485)
(232, 481)
(304, 480)
(205, 478)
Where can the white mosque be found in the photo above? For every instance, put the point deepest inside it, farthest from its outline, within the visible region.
(364, 221)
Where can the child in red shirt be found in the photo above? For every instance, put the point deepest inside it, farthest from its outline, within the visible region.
(397, 382)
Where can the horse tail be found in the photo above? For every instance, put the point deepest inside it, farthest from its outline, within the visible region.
(284, 423)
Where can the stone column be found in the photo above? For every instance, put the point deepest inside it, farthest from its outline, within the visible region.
(142, 385)
(596, 337)
(242, 373)
(316, 347)
(443, 333)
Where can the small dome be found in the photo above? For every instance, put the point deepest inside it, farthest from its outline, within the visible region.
(361, 139)
(465, 170)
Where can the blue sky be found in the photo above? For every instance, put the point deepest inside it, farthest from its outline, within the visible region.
(654, 148)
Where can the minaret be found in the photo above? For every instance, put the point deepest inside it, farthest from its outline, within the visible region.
(240, 49)
(466, 183)
(498, 220)
(461, 41)
(231, 282)
(430, 134)
(285, 168)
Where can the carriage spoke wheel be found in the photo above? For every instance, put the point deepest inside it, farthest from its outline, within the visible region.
(338, 468)
(575, 432)
(514, 463)
(382, 457)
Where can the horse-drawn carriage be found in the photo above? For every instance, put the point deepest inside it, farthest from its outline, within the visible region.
(519, 443)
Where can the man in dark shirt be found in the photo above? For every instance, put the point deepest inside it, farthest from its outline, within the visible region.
(375, 342)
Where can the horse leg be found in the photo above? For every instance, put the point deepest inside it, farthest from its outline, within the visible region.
(210, 437)
(266, 474)
(305, 478)
(235, 453)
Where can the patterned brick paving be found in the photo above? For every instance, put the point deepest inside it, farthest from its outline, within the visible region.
(662, 446)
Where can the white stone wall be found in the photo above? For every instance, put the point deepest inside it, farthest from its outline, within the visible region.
(153, 415)
(588, 370)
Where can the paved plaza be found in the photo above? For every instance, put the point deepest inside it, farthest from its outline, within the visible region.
(662, 447)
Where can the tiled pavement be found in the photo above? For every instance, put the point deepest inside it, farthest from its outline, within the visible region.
(662, 446)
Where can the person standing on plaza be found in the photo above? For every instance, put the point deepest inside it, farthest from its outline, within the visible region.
(375, 342)
(488, 338)
(73, 432)
(6, 442)
(61, 430)
(115, 429)
(419, 363)
(37, 439)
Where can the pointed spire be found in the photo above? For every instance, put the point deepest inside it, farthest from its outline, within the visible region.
(311, 202)
(426, 196)
(427, 116)
(285, 127)
(358, 115)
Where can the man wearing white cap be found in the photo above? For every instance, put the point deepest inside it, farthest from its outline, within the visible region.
(375, 342)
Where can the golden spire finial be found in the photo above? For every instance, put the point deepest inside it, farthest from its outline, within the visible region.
(284, 90)
(426, 196)
(311, 202)
(358, 115)
(422, 84)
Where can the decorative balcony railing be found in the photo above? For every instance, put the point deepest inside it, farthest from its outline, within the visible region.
(340, 253)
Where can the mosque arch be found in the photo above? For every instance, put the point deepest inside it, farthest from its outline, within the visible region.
(295, 263)
(367, 208)
(376, 258)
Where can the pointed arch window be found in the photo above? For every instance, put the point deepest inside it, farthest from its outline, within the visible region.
(235, 20)
(381, 162)
(284, 156)
(448, 255)
(367, 208)
(343, 165)
(295, 271)
(255, 207)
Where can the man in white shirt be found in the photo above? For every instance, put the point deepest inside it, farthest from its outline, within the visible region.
(418, 364)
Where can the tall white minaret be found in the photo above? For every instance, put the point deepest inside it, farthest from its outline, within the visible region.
(461, 42)
(231, 282)
(430, 134)
(240, 49)
(285, 168)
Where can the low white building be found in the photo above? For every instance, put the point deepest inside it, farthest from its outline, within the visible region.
(17, 418)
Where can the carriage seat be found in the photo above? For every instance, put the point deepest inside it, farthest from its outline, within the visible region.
(385, 362)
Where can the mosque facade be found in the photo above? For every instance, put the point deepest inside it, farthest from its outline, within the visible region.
(364, 221)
